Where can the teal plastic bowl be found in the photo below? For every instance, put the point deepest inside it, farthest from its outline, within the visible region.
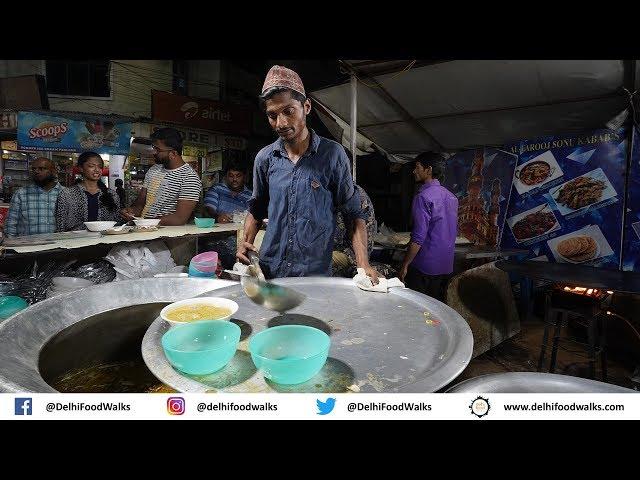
(289, 354)
(10, 305)
(204, 222)
(194, 272)
(201, 348)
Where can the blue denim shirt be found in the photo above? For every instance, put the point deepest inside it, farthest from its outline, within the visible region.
(301, 201)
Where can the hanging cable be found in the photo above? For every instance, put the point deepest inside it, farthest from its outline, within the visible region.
(405, 69)
(631, 103)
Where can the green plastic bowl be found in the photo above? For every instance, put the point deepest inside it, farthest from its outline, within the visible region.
(204, 222)
(290, 354)
(10, 305)
(201, 348)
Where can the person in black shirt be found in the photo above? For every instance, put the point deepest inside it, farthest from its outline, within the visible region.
(120, 192)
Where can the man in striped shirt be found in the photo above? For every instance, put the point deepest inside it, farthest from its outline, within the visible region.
(229, 196)
(171, 188)
(32, 208)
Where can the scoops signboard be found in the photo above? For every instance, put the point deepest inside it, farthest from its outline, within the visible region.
(49, 131)
(200, 113)
(59, 134)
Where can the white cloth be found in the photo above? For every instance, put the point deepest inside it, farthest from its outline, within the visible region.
(363, 282)
(240, 267)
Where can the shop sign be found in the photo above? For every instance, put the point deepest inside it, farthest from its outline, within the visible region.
(207, 138)
(201, 113)
(60, 134)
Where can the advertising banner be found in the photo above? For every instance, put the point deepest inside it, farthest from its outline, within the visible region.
(567, 199)
(481, 179)
(59, 134)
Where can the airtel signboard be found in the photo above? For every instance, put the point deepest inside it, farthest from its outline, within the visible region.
(201, 113)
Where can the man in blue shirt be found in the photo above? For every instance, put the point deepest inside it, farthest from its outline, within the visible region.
(300, 182)
(221, 201)
(229, 196)
(32, 208)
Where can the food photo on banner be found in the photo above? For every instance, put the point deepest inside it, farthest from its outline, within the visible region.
(57, 133)
(481, 180)
(567, 198)
(631, 249)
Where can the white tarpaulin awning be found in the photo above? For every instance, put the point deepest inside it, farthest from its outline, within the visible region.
(463, 104)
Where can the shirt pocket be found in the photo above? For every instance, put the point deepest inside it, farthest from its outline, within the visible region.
(319, 201)
(318, 221)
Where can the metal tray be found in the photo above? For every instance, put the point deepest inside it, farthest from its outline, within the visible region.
(401, 341)
(24, 335)
(47, 238)
(534, 382)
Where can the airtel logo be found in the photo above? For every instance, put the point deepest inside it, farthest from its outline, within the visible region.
(190, 110)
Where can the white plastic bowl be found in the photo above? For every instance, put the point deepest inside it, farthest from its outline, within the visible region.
(99, 226)
(216, 301)
(147, 222)
(70, 283)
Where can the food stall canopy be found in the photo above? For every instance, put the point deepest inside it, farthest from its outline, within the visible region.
(463, 104)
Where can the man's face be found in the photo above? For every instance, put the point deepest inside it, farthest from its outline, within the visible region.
(421, 173)
(161, 153)
(287, 116)
(42, 172)
(235, 180)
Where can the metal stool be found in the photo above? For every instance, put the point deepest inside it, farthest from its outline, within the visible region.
(557, 315)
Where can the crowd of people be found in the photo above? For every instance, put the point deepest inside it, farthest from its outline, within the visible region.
(319, 221)
(171, 191)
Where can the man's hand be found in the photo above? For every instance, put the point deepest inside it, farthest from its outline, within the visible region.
(403, 273)
(241, 254)
(225, 218)
(127, 213)
(373, 273)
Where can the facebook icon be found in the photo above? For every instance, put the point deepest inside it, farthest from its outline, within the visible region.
(23, 406)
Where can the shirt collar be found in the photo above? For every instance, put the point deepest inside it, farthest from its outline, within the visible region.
(244, 188)
(429, 184)
(82, 189)
(314, 142)
(39, 189)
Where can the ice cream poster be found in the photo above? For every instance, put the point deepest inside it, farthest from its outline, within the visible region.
(59, 134)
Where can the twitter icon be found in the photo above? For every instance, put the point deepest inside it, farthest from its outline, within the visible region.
(326, 407)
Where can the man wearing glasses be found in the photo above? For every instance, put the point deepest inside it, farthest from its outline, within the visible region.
(32, 208)
(171, 188)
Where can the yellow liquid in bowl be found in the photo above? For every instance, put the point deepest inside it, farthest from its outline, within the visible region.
(191, 313)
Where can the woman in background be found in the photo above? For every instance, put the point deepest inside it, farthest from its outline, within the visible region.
(88, 201)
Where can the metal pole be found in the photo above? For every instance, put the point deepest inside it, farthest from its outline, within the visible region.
(630, 81)
(354, 120)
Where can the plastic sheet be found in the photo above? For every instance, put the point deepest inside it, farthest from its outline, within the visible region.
(33, 282)
(140, 260)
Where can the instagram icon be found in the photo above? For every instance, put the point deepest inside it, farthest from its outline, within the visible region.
(175, 405)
